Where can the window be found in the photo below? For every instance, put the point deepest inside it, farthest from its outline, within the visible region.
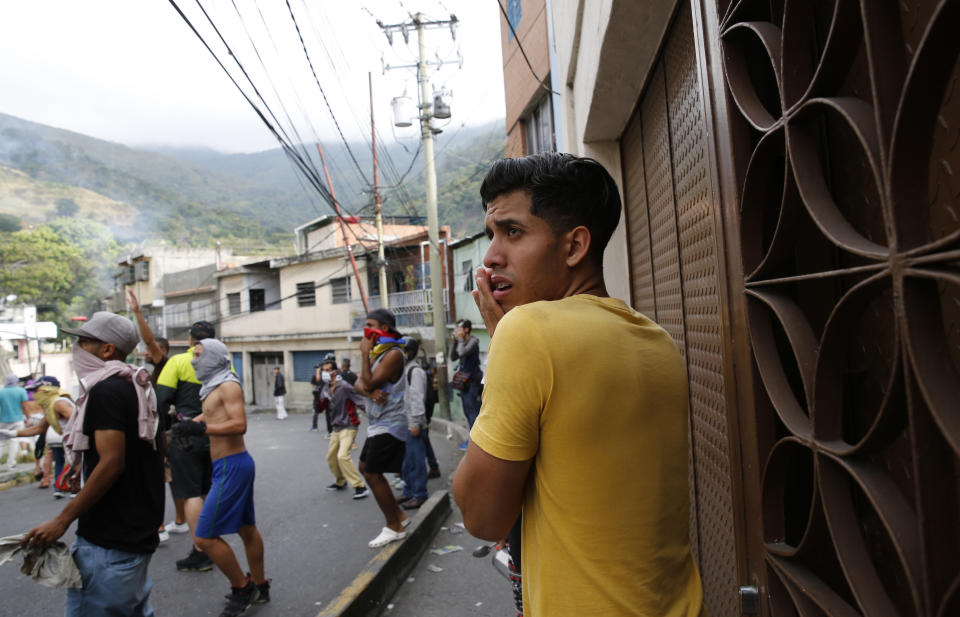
(341, 290)
(538, 128)
(514, 15)
(258, 300)
(306, 294)
(466, 271)
(233, 303)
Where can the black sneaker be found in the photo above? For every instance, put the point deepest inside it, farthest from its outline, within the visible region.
(336, 487)
(264, 589)
(240, 600)
(360, 492)
(195, 562)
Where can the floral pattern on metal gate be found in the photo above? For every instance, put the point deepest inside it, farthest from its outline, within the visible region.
(848, 149)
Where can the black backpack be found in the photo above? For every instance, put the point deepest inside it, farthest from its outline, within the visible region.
(430, 397)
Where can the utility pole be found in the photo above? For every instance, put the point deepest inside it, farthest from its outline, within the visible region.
(378, 204)
(430, 176)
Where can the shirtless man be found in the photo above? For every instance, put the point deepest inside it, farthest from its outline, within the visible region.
(229, 508)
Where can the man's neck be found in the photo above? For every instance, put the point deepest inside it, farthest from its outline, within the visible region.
(588, 283)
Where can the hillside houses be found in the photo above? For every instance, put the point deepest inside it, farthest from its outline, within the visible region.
(290, 311)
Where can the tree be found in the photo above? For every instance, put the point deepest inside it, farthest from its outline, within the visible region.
(67, 207)
(43, 268)
(9, 223)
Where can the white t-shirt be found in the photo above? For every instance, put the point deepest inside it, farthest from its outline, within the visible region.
(53, 437)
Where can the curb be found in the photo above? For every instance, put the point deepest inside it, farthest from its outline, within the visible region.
(375, 584)
(23, 477)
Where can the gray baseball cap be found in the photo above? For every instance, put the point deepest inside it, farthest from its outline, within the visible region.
(109, 328)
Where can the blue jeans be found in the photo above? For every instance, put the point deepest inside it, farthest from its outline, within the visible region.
(115, 583)
(470, 397)
(431, 457)
(415, 468)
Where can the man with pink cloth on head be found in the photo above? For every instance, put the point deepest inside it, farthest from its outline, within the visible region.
(120, 506)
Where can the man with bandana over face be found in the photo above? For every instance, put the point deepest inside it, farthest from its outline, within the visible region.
(229, 507)
(120, 507)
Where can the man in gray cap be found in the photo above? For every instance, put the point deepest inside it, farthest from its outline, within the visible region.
(121, 504)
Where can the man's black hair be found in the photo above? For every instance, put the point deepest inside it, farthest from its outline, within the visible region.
(412, 348)
(163, 343)
(467, 324)
(565, 190)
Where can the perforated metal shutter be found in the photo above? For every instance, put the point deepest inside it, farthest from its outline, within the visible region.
(674, 275)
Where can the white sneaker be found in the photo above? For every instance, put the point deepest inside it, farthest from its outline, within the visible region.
(164, 535)
(174, 527)
(386, 536)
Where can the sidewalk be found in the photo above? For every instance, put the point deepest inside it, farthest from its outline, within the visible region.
(454, 583)
(21, 474)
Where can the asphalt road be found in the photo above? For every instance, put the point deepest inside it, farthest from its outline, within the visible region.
(316, 542)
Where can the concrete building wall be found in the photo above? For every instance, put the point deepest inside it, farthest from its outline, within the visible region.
(523, 90)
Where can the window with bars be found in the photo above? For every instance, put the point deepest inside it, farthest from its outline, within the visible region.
(340, 289)
(538, 128)
(306, 294)
(258, 300)
(233, 303)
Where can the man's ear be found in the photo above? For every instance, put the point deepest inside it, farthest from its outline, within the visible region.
(578, 245)
(107, 351)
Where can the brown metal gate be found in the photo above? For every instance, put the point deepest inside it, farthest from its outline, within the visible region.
(846, 132)
(793, 210)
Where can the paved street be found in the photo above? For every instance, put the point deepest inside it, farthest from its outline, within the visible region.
(315, 541)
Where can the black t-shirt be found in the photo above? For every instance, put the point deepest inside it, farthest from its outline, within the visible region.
(128, 515)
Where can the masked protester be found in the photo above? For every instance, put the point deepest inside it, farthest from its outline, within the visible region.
(120, 507)
(230, 509)
(57, 408)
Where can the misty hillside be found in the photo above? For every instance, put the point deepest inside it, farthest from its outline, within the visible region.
(197, 196)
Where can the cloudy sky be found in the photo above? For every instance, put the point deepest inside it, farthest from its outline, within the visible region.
(133, 72)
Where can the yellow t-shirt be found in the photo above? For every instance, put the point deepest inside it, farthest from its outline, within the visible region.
(596, 394)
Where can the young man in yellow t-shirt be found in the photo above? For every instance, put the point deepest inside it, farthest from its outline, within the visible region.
(596, 460)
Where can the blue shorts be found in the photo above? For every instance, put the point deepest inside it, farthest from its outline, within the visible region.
(229, 504)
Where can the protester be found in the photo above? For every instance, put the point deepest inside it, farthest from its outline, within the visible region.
(231, 510)
(466, 348)
(318, 401)
(609, 543)
(381, 380)
(57, 408)
(158, 352)
(414, 459)
(430, 402)
(189, 456)
(279, 392)
(346, 373)
(13, 412)
(341, 401)
(120, 505)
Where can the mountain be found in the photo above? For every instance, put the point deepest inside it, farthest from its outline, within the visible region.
(199, 196)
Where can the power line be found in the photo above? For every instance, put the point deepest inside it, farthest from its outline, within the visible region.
(325, 100)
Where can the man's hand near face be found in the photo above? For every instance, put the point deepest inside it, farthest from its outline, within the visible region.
(490, 309)
(366, 344)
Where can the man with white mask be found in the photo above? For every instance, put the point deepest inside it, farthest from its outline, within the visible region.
(229, 508)
(344, 422)
(120, 507)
